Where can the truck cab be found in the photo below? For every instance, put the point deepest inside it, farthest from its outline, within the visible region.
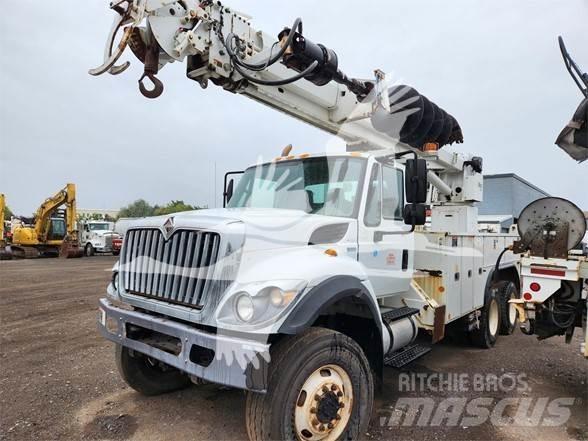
(97, 237)
(312, 252)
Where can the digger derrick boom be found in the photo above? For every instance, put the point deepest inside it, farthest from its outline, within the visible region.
(291, 74)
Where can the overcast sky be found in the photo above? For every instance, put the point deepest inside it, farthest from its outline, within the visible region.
(494, 65)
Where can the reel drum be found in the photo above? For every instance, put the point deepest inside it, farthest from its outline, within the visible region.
(550, 227)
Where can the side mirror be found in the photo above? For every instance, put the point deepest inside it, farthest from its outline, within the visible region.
(415, 214)
(416, 181)
(229, 191)
(229, 186)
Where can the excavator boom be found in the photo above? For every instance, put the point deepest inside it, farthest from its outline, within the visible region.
(2, 208)
(4, 254)
(65, 196)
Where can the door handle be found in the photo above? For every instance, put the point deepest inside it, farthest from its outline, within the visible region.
(404, 260)
(379, 235)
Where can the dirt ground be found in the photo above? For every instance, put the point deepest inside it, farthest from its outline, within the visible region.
(58, 378)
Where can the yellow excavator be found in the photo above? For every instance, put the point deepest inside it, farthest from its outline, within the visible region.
(50, 234)
(4, 254)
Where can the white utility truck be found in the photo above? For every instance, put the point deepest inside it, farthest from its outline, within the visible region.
(554, 244)
(319, 271)
(554, 270)
(97, 237)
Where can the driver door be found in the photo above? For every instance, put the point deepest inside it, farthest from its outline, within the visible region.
(386, 253)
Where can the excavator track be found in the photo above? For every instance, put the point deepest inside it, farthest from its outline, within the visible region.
(23, 252)
(5, 254)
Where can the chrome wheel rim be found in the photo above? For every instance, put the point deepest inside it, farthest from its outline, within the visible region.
(512, 311)
(493, 317)
(323, 405)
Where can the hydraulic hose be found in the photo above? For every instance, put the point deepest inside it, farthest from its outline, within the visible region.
(497, 266)
(272, 59)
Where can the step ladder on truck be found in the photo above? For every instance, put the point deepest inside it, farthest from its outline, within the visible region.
(320, 270)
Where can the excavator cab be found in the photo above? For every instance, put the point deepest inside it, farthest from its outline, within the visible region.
(57, 229)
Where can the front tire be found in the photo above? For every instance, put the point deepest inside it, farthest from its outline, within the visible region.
(320, 387)
(89, 250)
(489, 322)
(147, 376)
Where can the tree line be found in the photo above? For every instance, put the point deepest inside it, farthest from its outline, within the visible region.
(142, 208)
(139, 208)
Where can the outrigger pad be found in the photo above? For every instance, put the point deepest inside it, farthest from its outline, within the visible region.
(574, 137)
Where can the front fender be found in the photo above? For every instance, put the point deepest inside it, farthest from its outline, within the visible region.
(325, 294)
(333, 278)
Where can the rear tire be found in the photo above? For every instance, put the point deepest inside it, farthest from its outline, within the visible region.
(508, 313)
(89, 250)
(489, 322)
(320, 386)
(147, 376)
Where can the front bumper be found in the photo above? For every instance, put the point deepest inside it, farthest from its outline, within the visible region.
(233, 361)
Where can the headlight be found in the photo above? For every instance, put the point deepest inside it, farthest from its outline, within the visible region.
(114, 280)
(258, 303)
(276, 296)
(282, 298)
(112, 289)
(244, 307)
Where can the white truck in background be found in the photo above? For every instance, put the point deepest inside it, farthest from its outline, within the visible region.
(98, 237)
(319, 272)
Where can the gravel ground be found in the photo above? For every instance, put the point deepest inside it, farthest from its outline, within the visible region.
(58, 379)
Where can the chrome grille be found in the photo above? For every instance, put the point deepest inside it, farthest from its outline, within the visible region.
(179, 270)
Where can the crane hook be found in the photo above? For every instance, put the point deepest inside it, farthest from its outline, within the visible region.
(151, 68)
(157, 86)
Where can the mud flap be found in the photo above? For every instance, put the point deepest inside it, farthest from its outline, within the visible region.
(439, 324)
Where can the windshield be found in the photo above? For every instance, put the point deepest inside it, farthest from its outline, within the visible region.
(327, 186)
(99, 227)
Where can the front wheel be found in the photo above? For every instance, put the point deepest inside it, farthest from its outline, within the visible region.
(89, 250)
(320, 387)
(146, 375)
